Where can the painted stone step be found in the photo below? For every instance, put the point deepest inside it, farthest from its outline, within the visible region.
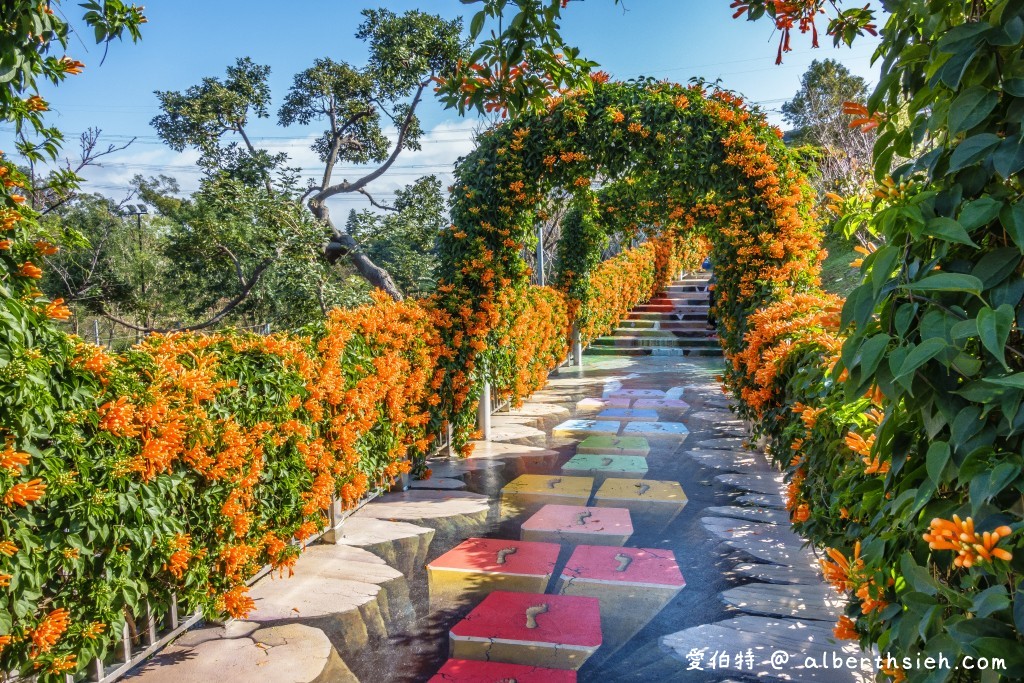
(614, 445)
(469, 671)
(633, 585)
(651, 503)
(570, 428)
(669, 403)
(656, 429)
(588, 404)
(578, 524)
(551, 631)
(636, 393)
(602, 467)
(243, 652)
(626, 414)
(529, 492)
(665, 325)
(477, 566)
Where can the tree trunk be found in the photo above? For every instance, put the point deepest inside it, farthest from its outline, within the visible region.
(343, 245)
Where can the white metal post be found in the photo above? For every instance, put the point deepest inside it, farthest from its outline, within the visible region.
(483, 413)
(577, 346)
(540, 255)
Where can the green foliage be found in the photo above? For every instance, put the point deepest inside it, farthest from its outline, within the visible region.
(404, 241)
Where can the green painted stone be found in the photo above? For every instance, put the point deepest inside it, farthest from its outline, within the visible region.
(614, 445)
(607, 465)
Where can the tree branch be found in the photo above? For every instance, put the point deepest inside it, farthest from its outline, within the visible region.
(370, 177)
(374, 202)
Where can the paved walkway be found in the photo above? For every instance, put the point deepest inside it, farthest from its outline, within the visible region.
(560, 549)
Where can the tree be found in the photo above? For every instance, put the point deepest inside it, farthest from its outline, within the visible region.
(404, 240)
(407, 53)
(817, 115)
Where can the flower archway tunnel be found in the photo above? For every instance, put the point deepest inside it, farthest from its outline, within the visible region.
(675, 163)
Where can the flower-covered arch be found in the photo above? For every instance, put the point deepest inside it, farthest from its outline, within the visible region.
(670, 160)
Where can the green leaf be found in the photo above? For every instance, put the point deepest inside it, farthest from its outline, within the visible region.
(947, 282)
(994, 329)
(921, 354)
(936, 461)
(970, 108)
(949, 230)
(1015, 381)
(917, 576)
(972, 150)
(1008, 158)
(979, 212)
(1012, 218)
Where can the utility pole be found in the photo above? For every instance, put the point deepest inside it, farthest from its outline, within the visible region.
(139, 210)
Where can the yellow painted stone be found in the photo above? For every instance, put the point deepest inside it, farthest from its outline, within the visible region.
(528, 493)
(651, 503)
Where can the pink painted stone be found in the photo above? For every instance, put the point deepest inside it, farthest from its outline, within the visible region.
(569, 620)
(565, 521)
(646, 566)
(601, 403)
(471, 671)
(481, 555)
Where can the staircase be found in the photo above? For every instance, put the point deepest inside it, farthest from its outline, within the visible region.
(672, 323)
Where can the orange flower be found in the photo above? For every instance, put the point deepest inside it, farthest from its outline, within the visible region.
(49, 631)
(237, 602)
(56, 310)
(842, 573)
(29, 270)
(845, 629)
(13, 460)
(971, 548)
(72, 66)
(8, 548)
(5, 580)
(24, 493)
(45, 248)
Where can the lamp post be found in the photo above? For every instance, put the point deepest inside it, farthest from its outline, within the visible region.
(140, 210)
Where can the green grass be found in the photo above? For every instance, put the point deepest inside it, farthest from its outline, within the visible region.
(836, 274)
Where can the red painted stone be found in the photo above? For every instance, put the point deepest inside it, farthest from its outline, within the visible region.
(471, 671)
(481, 555)
(649, 566)
(566, 519)
(569, 620)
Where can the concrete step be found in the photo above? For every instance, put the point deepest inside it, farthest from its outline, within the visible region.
(694, 326)
(651, 351)
(671, 308)
(652, 342)
(698, 333)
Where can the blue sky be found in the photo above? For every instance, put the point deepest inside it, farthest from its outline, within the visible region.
(186, 40)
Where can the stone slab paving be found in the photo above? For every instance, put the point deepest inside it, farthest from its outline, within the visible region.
(774, 573)
(500, 450)
(667, 403)
(349, 593)
(753, 514)
(726, 528)
(756, 483)
(732, 461)
(799, 602)
(400, 544)
(724, 443)
(439, 483)
(246, 651)
(452, 514)
(800, 640)
(763, 500)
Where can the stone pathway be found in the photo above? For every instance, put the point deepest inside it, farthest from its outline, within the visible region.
(615, 529)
